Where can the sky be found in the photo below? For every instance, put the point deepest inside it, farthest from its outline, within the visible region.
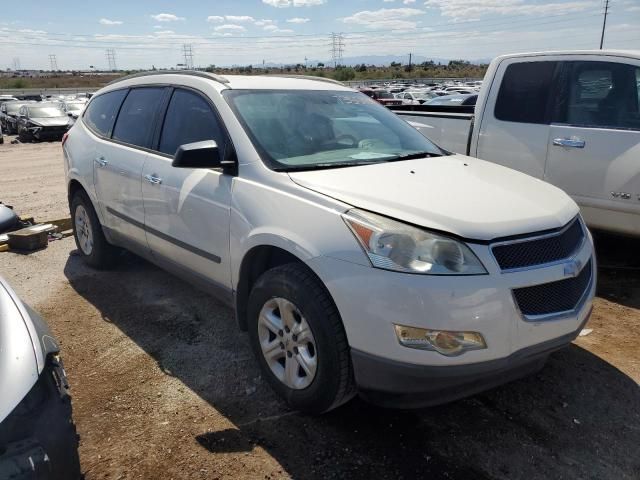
(146, 33)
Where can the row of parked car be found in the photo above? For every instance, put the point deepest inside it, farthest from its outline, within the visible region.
(450, 93)
(38, 118)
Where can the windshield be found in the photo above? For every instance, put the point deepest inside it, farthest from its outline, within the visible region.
(322, 129)
(45, 112)
(75, 106)
(382, 94)
(12, 108)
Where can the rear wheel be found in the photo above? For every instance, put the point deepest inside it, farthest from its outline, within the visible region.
(298, 338)
(87, 231)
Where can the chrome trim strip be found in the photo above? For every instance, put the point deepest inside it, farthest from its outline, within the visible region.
(566, 313)
(539, 237)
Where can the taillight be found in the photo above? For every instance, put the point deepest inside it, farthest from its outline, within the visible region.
(64, 138)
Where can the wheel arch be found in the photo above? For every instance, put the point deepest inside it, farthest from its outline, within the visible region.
(257, 260)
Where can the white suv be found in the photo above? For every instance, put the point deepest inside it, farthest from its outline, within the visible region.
(359, 256)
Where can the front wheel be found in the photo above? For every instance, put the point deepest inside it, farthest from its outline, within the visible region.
(298, 338)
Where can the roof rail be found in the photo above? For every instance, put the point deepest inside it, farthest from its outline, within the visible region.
(194, 73)
(308, 77)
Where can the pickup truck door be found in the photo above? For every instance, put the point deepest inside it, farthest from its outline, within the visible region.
(118, 163)
(594, 143)
(187, 211)
(514, 123)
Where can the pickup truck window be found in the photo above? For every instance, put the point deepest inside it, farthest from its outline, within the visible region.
(600, 94)
(524, 92)
(324, 129)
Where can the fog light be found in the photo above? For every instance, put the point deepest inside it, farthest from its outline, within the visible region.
(442, 341)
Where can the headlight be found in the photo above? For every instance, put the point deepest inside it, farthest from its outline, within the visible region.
(444, 342)
(396, 246)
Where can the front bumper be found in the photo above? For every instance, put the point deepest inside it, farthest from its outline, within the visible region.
(400, 385)
(38, 440)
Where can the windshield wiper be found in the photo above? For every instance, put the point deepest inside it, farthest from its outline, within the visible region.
(323, 166)
(415, 155)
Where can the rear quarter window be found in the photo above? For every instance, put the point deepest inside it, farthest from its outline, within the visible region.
(525, 91)
(102, 111)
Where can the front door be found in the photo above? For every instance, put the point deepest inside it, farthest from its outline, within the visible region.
(594, 142)
(187, 211)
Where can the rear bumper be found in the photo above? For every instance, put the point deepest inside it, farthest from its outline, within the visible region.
(389, 383)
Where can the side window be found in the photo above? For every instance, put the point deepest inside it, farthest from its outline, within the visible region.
(102, 111)
(137, 116)
(189, 119)
(600, 94)
(524, 92)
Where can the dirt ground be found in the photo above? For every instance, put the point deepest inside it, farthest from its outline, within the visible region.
(164, 384)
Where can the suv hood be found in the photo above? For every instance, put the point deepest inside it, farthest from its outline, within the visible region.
(465, 196)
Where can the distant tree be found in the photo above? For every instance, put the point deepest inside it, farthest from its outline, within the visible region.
(320, 65)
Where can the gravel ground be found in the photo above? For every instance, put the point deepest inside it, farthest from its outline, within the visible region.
(164, 384)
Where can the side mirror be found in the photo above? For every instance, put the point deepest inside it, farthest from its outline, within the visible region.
(205, 154)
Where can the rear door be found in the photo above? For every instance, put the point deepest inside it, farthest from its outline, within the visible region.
(187, 211)
(119, 160)
(514, 127)
(594, 146)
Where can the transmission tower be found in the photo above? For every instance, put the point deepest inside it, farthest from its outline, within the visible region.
(111, 59)
(16, 63)
(187, 51)
(337, 48)
(54, 62)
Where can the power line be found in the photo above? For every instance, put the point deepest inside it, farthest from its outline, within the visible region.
(54, 62)
(16, 63)
(111, 59)
(604, 22)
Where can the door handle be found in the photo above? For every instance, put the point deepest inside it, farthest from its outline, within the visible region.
(101, 161)
(569, 142)
(152, 179)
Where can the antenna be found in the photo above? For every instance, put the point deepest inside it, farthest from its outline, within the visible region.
(54, 62)
(604, 22)
(187, 50)
(111, 59)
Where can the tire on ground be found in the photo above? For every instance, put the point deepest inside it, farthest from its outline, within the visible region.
(103, 254)
(333, 384)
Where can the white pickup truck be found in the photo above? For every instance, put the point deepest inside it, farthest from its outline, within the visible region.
(569, 118)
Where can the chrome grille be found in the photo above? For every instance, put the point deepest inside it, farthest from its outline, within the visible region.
(539, 250)
(554, 297)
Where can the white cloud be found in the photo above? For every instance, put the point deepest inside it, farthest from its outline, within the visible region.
(239, 18)
(215, 19)
(167, 17)
(408, 2)
(388, 1)
(157, 27)
(230, 28)
(270, 28)
(297, 20)
(295, 3)
(106, 21)
(472, 9)
(165, 32)
(263, 22)
(390, 18)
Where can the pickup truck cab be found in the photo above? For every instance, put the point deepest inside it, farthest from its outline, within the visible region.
(569, 118)
(359, 255)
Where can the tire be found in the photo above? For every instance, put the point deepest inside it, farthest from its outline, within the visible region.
(331, 383)
(87, 232)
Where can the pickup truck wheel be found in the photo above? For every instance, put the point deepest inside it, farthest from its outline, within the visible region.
(298, 338)
(87, 231)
